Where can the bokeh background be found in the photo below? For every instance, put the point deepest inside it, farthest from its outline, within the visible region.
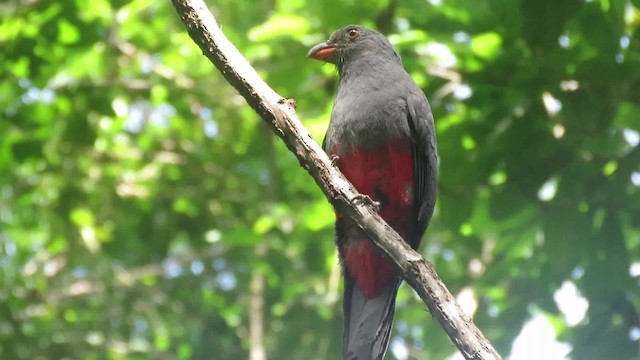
(146, 212)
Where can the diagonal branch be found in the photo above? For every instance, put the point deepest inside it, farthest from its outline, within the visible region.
(280, 114)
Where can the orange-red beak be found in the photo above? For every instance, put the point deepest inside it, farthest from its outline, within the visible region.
(321, 51)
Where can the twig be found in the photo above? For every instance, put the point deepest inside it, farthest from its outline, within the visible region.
(279, 113)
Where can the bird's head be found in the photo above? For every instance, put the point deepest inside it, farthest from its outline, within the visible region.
(351, 42)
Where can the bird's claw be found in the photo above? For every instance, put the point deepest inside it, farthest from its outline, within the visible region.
(334, 159)
(288, 102)
(366, 200)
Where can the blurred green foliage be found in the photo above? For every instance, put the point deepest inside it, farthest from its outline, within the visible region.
(140, 197)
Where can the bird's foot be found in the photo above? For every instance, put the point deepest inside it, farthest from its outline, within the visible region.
(288, 102)
(366, 200)
(334, 159)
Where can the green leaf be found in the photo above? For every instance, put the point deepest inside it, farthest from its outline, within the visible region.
(68, 33)
(82, 217)
(281, 25)
(486, 45)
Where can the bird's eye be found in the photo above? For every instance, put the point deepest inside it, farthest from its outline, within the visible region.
(353, 33)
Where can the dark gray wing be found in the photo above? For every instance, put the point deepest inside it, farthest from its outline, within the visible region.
(425, 158)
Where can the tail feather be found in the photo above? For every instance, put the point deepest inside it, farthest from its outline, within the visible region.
(367, 321)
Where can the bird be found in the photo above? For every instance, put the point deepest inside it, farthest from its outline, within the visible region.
(382, 138)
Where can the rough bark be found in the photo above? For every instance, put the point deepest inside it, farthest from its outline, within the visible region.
(280, 114)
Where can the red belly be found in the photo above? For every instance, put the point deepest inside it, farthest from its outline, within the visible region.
(386, 175)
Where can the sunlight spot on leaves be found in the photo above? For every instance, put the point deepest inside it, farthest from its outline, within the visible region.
(461, 37)
(635, 178)
(212, 236)
(551, 104)
(197, 267)
(537, 340)
(486, 45)
(279, 309)
(548, 190)
(468, 143)
(467, 300)
(476, 267)
(632, 137)
(171, 268)
(569, 85)
(624, 42)
(577, 273)
(408, 37)
(280, 25)
(571, 303)
(399, 348)
(558, 131)
(263, 224)
(120, 107)
(441, 54)
(610, 167)
(498, 178)
(95, 338)
(67, 32)
(564, 41)
(466, 229)
(135, 120)
(462, 91)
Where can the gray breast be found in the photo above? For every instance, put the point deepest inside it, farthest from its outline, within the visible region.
(366, 120)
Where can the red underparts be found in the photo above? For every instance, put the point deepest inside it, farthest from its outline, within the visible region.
(386, 175)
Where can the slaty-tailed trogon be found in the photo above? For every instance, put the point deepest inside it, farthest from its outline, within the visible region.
(382, 135)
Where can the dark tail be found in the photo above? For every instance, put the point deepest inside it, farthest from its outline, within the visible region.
(367, 321)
